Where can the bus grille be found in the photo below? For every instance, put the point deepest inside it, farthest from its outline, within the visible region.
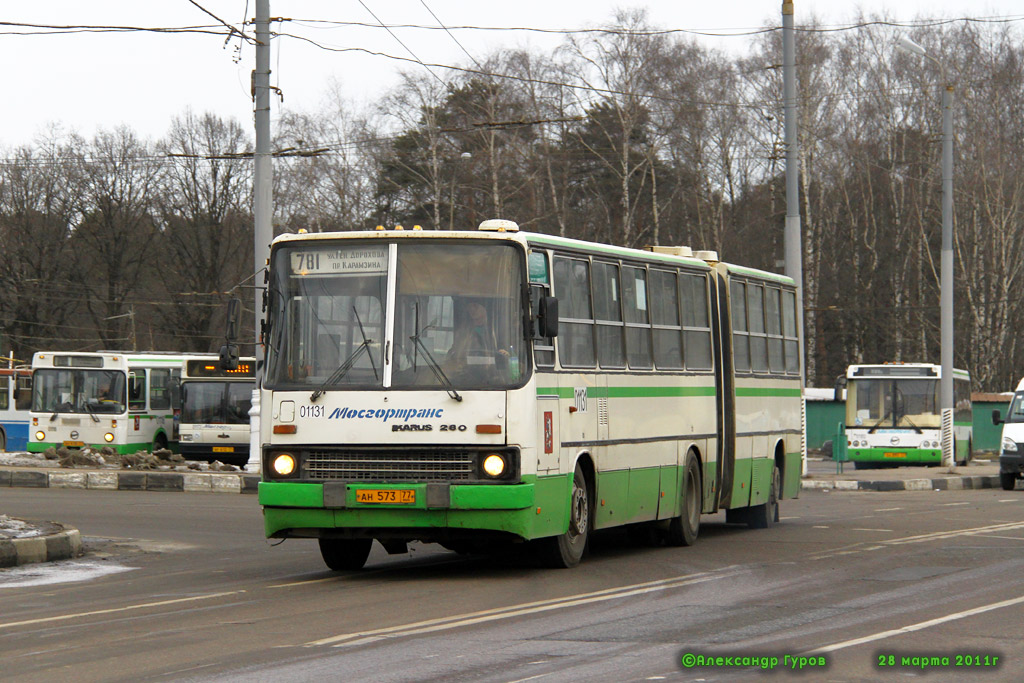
(389, 466)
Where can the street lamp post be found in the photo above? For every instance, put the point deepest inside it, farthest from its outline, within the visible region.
(946, 264)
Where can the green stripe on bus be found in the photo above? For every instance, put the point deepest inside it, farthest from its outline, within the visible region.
(627, 392)
(768, 392)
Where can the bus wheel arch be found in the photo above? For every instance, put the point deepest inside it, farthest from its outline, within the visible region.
(567, 549)
(780, 465)
(159, 441)
(684, 529)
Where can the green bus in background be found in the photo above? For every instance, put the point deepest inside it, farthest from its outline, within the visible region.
(893, 415)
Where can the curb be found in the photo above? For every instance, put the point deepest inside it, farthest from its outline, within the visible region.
(131, 481)
(939, 484)
(62, 545)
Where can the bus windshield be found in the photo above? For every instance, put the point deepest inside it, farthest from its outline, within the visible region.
(78, 391)
(217, 402)
(888, 402)
(457, 318)
(1016, 411)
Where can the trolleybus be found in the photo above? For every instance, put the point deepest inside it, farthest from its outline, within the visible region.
(215, 406)
(893, 415)
(497, 387)
(126, 400)
(15, 398)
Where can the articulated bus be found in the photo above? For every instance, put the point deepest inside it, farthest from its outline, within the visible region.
(494, 387)
(215, 406)
(893, 415)
(15, 397)
(126, 400)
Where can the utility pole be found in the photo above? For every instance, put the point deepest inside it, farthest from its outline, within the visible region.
(263, 203)
(792, 244)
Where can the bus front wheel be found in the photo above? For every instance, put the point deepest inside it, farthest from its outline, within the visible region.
(1008, 480)
(345, 554)
(683, 530)
(566, 550)
(767, 514)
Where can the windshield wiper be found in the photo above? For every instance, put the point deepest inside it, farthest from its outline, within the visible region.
(65, 406)
(434, 366)
(89, 410)
(879, 423)
(343, 369)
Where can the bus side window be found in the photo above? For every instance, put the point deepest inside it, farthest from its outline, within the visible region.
(137, 389)
(740, 338)
(5, 393)
(540, 286)
(576, 320)
(23, 393)
(159, 398)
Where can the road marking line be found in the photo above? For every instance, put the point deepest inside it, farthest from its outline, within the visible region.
(888, 531)
(457, 621)
(888, 509)
(917, 627)
(65, 617)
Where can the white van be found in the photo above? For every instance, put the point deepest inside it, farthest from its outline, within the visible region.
(1011, 450)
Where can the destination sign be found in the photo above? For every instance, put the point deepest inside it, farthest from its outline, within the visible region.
(335, 261)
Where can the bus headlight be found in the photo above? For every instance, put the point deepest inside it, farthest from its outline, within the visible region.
(1009, 445)
(283, 465)
(494, 465)
(108, 437)
(185, 437)
(40, 435)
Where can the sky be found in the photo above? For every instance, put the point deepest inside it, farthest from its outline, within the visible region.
(86, 81)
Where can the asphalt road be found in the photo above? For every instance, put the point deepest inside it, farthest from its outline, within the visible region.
(184, 587)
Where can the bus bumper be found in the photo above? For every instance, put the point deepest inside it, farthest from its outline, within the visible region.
(895, 456)
(1011, 463)
(531, 509)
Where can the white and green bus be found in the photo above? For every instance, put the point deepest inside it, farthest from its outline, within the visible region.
(893, 415)
(496, 387)
(126, 400)
(215, 405)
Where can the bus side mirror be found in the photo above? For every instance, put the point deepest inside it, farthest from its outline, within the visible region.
(997, 417)
(839, 386)
(229, 357)
(547, 317)
(234, 307)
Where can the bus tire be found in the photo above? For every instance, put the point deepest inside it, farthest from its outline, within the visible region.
(3, 442)
(566, 550)
(160, 442)
(683, 530)
(345, 554)
(1008, 480)
(767, 514)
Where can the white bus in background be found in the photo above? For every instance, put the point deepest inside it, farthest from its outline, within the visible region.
(893, 415)
(126, 400)
(15, 396)
(215, 409)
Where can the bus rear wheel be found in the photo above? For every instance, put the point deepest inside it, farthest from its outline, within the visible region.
(683, 530)
(767, 514)
(345, 554)
(566, 550)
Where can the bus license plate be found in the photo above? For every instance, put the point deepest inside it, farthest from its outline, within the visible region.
(895, 455)
(223, 449)
(75, 444)
(396, 496)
